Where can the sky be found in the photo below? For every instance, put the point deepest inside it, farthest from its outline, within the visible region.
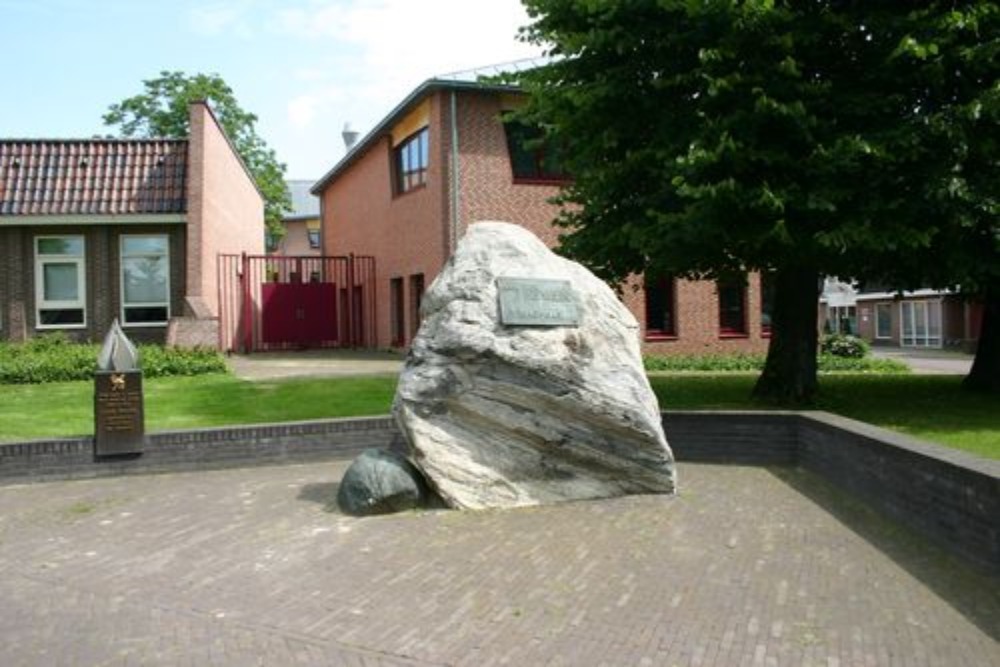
(304, 67)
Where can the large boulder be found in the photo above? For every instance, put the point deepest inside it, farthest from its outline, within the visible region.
(524, 407)
(379, 482)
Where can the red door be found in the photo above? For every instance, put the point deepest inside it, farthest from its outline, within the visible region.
(299, 313)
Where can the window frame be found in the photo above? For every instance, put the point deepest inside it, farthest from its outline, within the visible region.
(668, 284)
(767, 288)
(404, 175)
(878, 333)
(43, 304)
(397, 312)
(724, 330)
(312, 236)
(417, 289)
(122, 305)
(540, 175)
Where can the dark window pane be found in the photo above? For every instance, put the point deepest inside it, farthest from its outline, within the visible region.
(766, 300)
(732, 307)
(660, 310)
(61, 316)
(141, 314)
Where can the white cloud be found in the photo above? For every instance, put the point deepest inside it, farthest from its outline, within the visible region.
(216, 19)
(302, 110)
(369, 54)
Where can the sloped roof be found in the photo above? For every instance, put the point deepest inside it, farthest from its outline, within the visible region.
(304, 203)
(92, 176)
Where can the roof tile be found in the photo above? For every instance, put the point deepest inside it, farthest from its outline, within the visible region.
(92, 176)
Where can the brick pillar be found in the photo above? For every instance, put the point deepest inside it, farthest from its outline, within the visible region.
(102, 283)
(18, 280)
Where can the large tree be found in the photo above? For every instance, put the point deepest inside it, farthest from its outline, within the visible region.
(714, 137)
(162, 111)
(957, 54)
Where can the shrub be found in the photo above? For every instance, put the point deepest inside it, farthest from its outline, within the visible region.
(707, 362)
(829, 363)
(843, 345)
(826, 363)
(54, 358)
(158, 361)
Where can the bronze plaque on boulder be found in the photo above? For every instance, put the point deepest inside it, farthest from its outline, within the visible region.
(537, 302)
(119, 421)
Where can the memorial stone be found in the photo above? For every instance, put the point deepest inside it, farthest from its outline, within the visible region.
(119, 420)
(525, 384)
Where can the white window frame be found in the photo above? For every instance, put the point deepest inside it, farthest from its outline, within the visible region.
(878, 334)
(80, 303)
(927, 340)
(121, 281)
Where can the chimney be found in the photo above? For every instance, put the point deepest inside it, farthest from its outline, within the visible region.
(350, 136)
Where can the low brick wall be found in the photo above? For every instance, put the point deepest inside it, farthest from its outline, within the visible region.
(174, 451)
(948, 496)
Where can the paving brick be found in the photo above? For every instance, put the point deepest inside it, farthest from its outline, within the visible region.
(747, 566)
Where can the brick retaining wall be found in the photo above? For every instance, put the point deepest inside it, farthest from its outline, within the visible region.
(950, 497)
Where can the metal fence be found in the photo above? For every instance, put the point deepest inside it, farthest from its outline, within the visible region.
(283, 303)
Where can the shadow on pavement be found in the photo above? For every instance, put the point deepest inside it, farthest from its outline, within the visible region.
(973, 593)
(322, 493)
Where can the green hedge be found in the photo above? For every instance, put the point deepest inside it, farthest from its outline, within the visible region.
(827, 363)
(53, 358)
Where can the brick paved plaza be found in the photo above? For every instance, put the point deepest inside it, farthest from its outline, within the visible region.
(748, 566)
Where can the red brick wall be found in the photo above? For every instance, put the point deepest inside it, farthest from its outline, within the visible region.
(697, 319)
(404, 232)
(225, 210)
(295, 242)
(409, 234)
(102, 276)
(487, 187)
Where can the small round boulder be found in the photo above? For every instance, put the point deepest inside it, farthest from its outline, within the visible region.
(381, 482)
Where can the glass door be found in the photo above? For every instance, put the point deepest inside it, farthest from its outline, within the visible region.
(921, 322)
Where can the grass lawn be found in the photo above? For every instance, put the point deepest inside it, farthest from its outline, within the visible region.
(931, 407)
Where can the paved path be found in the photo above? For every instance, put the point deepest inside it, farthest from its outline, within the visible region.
(747, 566)
(314, 363)
(930, 362)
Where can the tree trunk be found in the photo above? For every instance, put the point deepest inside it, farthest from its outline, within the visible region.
(789, 374)
(984, 376)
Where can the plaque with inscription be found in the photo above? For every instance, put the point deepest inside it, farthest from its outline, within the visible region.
(119, 423)
(537, 302)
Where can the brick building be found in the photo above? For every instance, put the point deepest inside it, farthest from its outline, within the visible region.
(445, 158)
(97, 229)
(301, 224)
(925, 318)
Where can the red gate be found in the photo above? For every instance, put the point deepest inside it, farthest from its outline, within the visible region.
(282, 303)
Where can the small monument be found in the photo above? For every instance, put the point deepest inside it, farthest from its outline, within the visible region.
(119, 420)
(525, 384)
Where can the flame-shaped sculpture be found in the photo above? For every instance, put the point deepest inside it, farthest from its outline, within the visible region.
(118, 353)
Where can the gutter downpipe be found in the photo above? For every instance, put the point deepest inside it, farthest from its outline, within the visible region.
(454, 218)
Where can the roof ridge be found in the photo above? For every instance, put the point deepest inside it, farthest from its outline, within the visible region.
(64, 140)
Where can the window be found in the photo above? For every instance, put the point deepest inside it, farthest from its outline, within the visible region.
(841, 319)
(883, 320)
(145, 276)
(732, 307)
(313, 235)
(416, 299)
(661, 311)
(921, 323)
(411, 159)
(530, 159)
(766, 302)
(60, 287)
(397, 315)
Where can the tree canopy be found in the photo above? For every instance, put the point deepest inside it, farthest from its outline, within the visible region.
(798, 138)
(162, 111)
